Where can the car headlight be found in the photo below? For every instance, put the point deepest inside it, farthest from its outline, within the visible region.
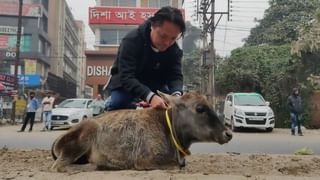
(238, 112)
(270, 113)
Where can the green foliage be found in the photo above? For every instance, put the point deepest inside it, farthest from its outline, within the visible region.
(280, 22)
(192, 35)
(269, 70)
(191, 70)
(309, 37)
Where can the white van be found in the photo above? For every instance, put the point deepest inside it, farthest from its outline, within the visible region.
(248, 110)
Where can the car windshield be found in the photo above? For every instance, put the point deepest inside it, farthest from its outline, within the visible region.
(73, 103)
(249, 100)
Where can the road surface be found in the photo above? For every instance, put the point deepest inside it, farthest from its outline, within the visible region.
(277, 142)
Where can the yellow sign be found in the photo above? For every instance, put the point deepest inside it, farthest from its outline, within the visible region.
(30, 66)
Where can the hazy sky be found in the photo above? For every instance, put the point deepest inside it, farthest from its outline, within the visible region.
(228, 35)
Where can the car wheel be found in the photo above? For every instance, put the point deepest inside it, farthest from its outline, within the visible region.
(269, 129)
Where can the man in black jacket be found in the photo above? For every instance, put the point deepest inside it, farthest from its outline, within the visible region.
(295, 108)
(148, 60)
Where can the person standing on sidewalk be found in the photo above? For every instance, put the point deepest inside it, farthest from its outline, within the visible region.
(32, 107)
(97, 105)
(295, 108)
(47, 105)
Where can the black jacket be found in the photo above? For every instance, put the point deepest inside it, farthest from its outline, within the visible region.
(295, 104)
(137, 66)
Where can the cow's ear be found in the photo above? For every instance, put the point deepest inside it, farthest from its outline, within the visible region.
(170, 100)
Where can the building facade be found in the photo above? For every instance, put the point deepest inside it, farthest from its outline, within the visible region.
(81, 72)
(111, 20)
(67, 50)
(34, 47)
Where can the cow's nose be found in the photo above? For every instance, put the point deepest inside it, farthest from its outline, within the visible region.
(228, 135)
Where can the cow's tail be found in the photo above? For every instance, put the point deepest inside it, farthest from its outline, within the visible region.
(54, 156)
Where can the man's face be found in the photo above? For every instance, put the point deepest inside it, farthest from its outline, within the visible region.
(296, 92)
(165, 35)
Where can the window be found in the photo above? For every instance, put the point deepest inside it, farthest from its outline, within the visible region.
(158, 3)
(120, 3)
(108, 37)
(112, 36)
(42, 46)
(249, 100)
(44, 23)
(45, 4)
(127, 3)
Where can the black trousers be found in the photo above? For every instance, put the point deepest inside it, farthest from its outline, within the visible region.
(30, 116)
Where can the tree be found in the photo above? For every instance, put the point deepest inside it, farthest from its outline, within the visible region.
(191, 37)
(268, 70)
(280, 22)
(191, 70)
(309, 37)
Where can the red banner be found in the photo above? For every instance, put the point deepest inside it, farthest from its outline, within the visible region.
(129, 16)
(7, 80)
(33, 10)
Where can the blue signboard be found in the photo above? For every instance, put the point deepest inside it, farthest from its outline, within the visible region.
(29, 80)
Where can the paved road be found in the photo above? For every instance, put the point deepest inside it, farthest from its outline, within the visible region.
(277, 142)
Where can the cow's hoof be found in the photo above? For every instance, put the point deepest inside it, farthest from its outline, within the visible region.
(54, 168)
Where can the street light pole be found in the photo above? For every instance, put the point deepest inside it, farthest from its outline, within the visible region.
(17, 61)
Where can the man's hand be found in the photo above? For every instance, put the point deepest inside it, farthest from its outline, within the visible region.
(158, 103)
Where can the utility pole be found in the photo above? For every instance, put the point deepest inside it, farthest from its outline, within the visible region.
(17, 61)
(206, 9)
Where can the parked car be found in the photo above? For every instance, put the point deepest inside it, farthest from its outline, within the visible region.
(248, 110)
(70, 112)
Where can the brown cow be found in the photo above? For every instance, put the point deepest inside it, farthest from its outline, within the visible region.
(141, 139)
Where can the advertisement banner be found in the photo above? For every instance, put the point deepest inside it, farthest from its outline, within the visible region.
(30, 66)
(9, 42)
(29, 80)
(10, 30)
(119, 15)
(7, 80)
(12, 8)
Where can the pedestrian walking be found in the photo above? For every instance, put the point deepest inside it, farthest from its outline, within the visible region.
(32, 107)
(295, 108)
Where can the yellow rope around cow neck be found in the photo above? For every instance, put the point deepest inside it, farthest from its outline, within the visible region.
(185, 153)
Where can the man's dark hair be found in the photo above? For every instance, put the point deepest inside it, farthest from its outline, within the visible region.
(170, 14)
(295, 89)
(32, 93)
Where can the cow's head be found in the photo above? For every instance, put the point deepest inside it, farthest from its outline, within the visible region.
(196, 119)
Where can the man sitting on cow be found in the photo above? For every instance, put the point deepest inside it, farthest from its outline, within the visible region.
(148, 60)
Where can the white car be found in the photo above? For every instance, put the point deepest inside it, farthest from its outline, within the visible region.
(248, 110)
(70, 112)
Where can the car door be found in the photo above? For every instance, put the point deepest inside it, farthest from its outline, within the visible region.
(88, 109)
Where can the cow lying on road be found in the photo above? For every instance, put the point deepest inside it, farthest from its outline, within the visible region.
(141, 139)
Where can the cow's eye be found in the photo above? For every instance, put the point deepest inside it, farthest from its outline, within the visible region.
(200, 109)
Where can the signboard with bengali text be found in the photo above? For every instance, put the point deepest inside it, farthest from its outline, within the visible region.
(29, 80)
(8, 81)
(120, 15)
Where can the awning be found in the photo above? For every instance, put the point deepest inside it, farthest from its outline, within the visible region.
(2, 87)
